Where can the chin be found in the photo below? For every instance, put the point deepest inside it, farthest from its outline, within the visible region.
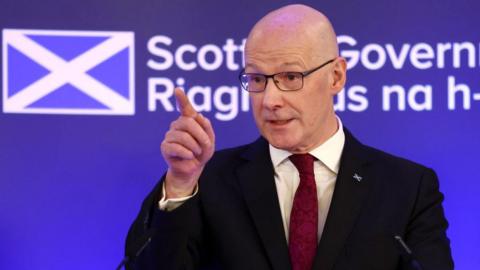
(281, 142)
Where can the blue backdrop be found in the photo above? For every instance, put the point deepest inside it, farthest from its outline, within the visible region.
(86, 103)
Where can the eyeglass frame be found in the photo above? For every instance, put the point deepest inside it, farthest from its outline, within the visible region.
(304, 74)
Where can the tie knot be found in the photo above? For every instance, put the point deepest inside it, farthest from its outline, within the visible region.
(303, 163)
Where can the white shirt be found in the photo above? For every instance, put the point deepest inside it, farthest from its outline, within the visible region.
(325, 169)
(287, 179)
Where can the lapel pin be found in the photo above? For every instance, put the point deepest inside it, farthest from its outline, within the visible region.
(357, 177)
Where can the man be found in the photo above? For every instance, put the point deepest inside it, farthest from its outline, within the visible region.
(306, 195)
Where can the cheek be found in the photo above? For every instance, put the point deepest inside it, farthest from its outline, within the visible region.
(256, 107)
(314, 109)
(256, 102)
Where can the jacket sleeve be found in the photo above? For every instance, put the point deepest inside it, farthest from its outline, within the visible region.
(176, 237)
(426, 231)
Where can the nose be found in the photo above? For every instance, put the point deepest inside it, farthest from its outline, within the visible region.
(272, 96)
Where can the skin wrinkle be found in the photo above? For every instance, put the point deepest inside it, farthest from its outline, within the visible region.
(296, 64)
(295, 38)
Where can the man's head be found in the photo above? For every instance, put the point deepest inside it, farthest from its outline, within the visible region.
(295, 38)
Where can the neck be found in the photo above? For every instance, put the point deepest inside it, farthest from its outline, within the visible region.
(328, 130)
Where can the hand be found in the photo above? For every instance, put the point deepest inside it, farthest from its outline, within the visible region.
(187, 146)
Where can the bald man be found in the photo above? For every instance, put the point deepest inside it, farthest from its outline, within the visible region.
(306, 194)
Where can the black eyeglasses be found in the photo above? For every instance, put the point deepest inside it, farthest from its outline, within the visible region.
(285, 81)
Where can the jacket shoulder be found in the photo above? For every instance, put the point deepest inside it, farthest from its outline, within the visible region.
(396, 165)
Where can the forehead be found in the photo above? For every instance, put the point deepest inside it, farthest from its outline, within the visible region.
(278, 48)
(277, 57)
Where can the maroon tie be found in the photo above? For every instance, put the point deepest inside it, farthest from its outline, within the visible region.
(302, 242)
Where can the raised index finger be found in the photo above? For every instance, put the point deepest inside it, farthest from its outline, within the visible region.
(186, 108)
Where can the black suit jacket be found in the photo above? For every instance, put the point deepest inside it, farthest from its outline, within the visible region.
(234, 222)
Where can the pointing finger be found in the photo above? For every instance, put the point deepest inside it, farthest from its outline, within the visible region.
(186, 108)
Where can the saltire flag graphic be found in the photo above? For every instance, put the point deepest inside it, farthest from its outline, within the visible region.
(68, 72)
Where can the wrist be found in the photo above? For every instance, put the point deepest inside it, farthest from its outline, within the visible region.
(179, 187)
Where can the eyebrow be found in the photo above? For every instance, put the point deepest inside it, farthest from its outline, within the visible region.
(285, 64)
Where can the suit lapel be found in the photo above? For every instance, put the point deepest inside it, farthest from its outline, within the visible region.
(256, 177)
(347, 200)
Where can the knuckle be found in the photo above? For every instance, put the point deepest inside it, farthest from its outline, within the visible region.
(174, 124)
(168, 136)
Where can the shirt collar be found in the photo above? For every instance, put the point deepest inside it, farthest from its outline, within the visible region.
(329, 153)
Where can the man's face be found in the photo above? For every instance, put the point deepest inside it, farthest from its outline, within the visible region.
(296, 121)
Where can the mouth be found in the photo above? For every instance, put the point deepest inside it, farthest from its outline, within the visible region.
(279, 123)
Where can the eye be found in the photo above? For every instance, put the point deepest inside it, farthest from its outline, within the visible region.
(256, 79)
(292, 76)
(289, 77)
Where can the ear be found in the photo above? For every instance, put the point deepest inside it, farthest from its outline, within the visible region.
(339, 75)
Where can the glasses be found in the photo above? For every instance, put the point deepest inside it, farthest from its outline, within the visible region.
(285, 81)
